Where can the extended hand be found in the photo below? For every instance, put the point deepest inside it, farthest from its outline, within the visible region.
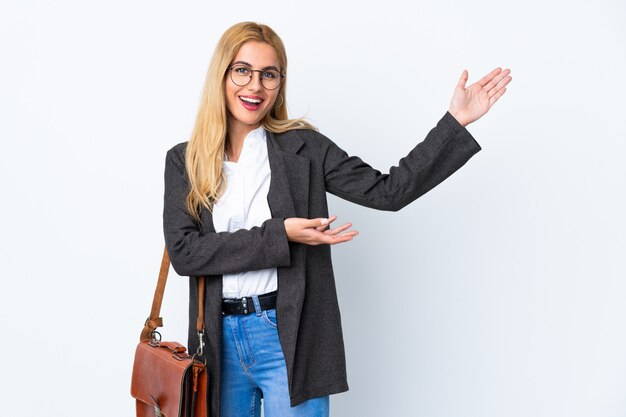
(313, 231)
(471, 103)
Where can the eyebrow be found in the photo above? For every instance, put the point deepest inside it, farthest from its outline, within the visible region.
(245, 63)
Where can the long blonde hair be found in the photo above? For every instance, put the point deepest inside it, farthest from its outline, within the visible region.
(205, 150)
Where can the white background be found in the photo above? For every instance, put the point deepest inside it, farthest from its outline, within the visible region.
(499, 293)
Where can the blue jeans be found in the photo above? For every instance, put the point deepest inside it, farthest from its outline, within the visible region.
(253, 367)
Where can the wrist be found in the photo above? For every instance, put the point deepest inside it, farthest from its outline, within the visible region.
(287, 229)
(459, 118)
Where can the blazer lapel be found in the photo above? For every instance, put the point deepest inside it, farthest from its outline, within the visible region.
(288, 196)
(289, 186)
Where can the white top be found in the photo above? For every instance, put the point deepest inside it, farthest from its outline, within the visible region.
(244, 205)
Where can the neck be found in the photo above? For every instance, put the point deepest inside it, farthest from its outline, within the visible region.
(235, 137)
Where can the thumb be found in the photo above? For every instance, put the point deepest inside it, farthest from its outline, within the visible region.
(317, 222)
(463, 79)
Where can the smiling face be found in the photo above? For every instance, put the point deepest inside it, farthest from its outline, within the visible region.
(249, 104)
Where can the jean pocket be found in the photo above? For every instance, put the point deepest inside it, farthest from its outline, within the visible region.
(270, 317)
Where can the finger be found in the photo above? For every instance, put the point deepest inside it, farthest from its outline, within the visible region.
(350, 233)
(320, 238)
(496, 80)
(320, 221)
(462, 80)
(500, 86)
(345, 237)
(339, 229)
(496, 96)
(330, 220)
(483, 81)
(325, 226)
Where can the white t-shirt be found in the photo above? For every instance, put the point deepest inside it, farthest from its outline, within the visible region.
(244, 205)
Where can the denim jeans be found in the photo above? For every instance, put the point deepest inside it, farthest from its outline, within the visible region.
(253, 367)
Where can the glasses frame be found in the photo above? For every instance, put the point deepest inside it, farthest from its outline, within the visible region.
(231, 67)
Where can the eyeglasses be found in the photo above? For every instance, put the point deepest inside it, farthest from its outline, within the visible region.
(242, 75)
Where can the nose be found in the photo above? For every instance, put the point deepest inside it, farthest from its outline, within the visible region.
(255, 82)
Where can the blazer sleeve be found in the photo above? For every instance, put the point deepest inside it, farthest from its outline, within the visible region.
(446, 148)
(194, 253)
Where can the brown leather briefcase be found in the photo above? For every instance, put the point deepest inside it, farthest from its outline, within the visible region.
(167, 381)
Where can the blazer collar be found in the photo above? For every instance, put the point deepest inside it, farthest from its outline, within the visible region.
(290, 141)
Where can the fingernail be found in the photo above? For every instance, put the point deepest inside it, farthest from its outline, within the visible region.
(324, 221)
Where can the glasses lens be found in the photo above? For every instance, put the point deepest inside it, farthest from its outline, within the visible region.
(241, 75)
(270, 79)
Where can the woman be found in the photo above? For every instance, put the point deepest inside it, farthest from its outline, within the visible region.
(245, 206)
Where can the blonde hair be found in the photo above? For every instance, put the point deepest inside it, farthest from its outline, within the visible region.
(205, 150)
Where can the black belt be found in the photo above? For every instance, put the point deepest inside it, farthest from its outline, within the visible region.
(245, 305)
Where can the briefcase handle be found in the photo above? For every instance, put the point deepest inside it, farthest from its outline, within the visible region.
(155, 321)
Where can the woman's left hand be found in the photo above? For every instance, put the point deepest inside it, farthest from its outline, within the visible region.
(471, 103)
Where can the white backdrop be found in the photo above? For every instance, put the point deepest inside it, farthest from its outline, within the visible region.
(516, 305)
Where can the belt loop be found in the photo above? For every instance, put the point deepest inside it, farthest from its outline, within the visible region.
(257, 304)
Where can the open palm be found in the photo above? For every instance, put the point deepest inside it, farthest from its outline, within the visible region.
(471, 103)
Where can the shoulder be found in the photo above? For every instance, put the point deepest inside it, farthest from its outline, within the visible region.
(178, 150)
(176, 155)
(306, 135)
(175, 161)
(308, 139)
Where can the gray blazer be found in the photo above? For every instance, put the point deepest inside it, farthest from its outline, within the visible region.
(305, 165)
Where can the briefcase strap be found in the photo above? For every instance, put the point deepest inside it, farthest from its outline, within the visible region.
(155, 321)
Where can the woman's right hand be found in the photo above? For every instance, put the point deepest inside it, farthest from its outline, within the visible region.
(313, 231)
(471, 103)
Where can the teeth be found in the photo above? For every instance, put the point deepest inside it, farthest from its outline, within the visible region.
(251, 100)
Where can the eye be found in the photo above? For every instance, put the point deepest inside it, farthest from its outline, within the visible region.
(241, 70)
(270, 75)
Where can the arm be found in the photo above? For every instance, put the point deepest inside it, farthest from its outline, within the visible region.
(446, 148)
(194, 253)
